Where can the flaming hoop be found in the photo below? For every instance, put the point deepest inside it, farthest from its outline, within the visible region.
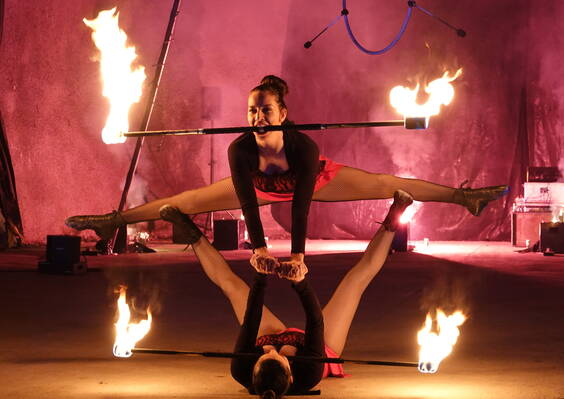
(127, 333)
(435, 346)
(122, 82)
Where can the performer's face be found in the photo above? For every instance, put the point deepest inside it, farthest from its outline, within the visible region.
(264, 109)
(273, 354)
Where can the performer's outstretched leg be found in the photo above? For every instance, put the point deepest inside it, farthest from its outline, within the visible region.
(215, 197)
(218, 271)
(354, 184)
(341, 308)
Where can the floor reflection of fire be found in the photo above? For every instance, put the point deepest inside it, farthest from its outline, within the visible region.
(437, 338)
(128, 333)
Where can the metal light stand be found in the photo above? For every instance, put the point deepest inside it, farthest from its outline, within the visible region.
(119, 242)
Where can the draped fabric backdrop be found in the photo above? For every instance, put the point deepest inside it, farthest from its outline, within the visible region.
(9, 210)
(506, 114)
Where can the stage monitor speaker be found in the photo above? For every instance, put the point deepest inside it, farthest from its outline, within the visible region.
(64, 250)
(525, 226)
(552, 237)
(399, 244)
(546, 174)
(228, 234)
(62, 256)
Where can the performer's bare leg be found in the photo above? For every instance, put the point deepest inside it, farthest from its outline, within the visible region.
(215, 197)
(234, 288)
(341, 308)
(355, 184)
(219, 272)
(348, 185)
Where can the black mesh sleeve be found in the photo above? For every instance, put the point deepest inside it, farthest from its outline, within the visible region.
(307, 166)
(242, 368)
(239, 155)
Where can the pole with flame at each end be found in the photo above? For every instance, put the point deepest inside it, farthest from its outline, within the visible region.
(408, 123)
(230, 355)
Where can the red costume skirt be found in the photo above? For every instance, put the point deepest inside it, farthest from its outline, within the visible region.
(324, 176)
(283, 338)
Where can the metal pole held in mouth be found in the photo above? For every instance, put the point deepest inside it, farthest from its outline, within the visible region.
(408, 123)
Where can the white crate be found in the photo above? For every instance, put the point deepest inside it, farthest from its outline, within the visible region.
(548, 193)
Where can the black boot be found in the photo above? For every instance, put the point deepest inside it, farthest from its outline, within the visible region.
(402, 200)
(188, 229)
(475, 200)
(103, 225)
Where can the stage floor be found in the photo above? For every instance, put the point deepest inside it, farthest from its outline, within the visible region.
(56, 332)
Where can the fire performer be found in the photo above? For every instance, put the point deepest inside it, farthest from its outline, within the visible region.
(283, 166)
(272, 375)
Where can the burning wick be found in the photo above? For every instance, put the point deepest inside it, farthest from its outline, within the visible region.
(123, 83)
(440, 92)
(128, 334)
(435, 346)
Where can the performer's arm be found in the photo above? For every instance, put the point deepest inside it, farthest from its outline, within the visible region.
(314, 329)
(239, 163)
(241, 369)
(308, 374)
(307, 157)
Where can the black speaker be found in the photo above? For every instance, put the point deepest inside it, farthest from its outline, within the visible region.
(228, 234)
(544, 174)
(399, 244)
(63, 249)
(62, 256)
(552, 237)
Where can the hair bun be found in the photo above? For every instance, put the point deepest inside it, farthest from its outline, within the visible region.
(270, 394)
(274, 81)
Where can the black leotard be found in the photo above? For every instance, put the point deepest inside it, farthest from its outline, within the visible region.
(302, 155)
(306, 374)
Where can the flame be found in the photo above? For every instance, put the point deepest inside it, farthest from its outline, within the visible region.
(122, 82)
(410, 212)
(557, 215)
(128, 334)
(436, 346)
(440, 92)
